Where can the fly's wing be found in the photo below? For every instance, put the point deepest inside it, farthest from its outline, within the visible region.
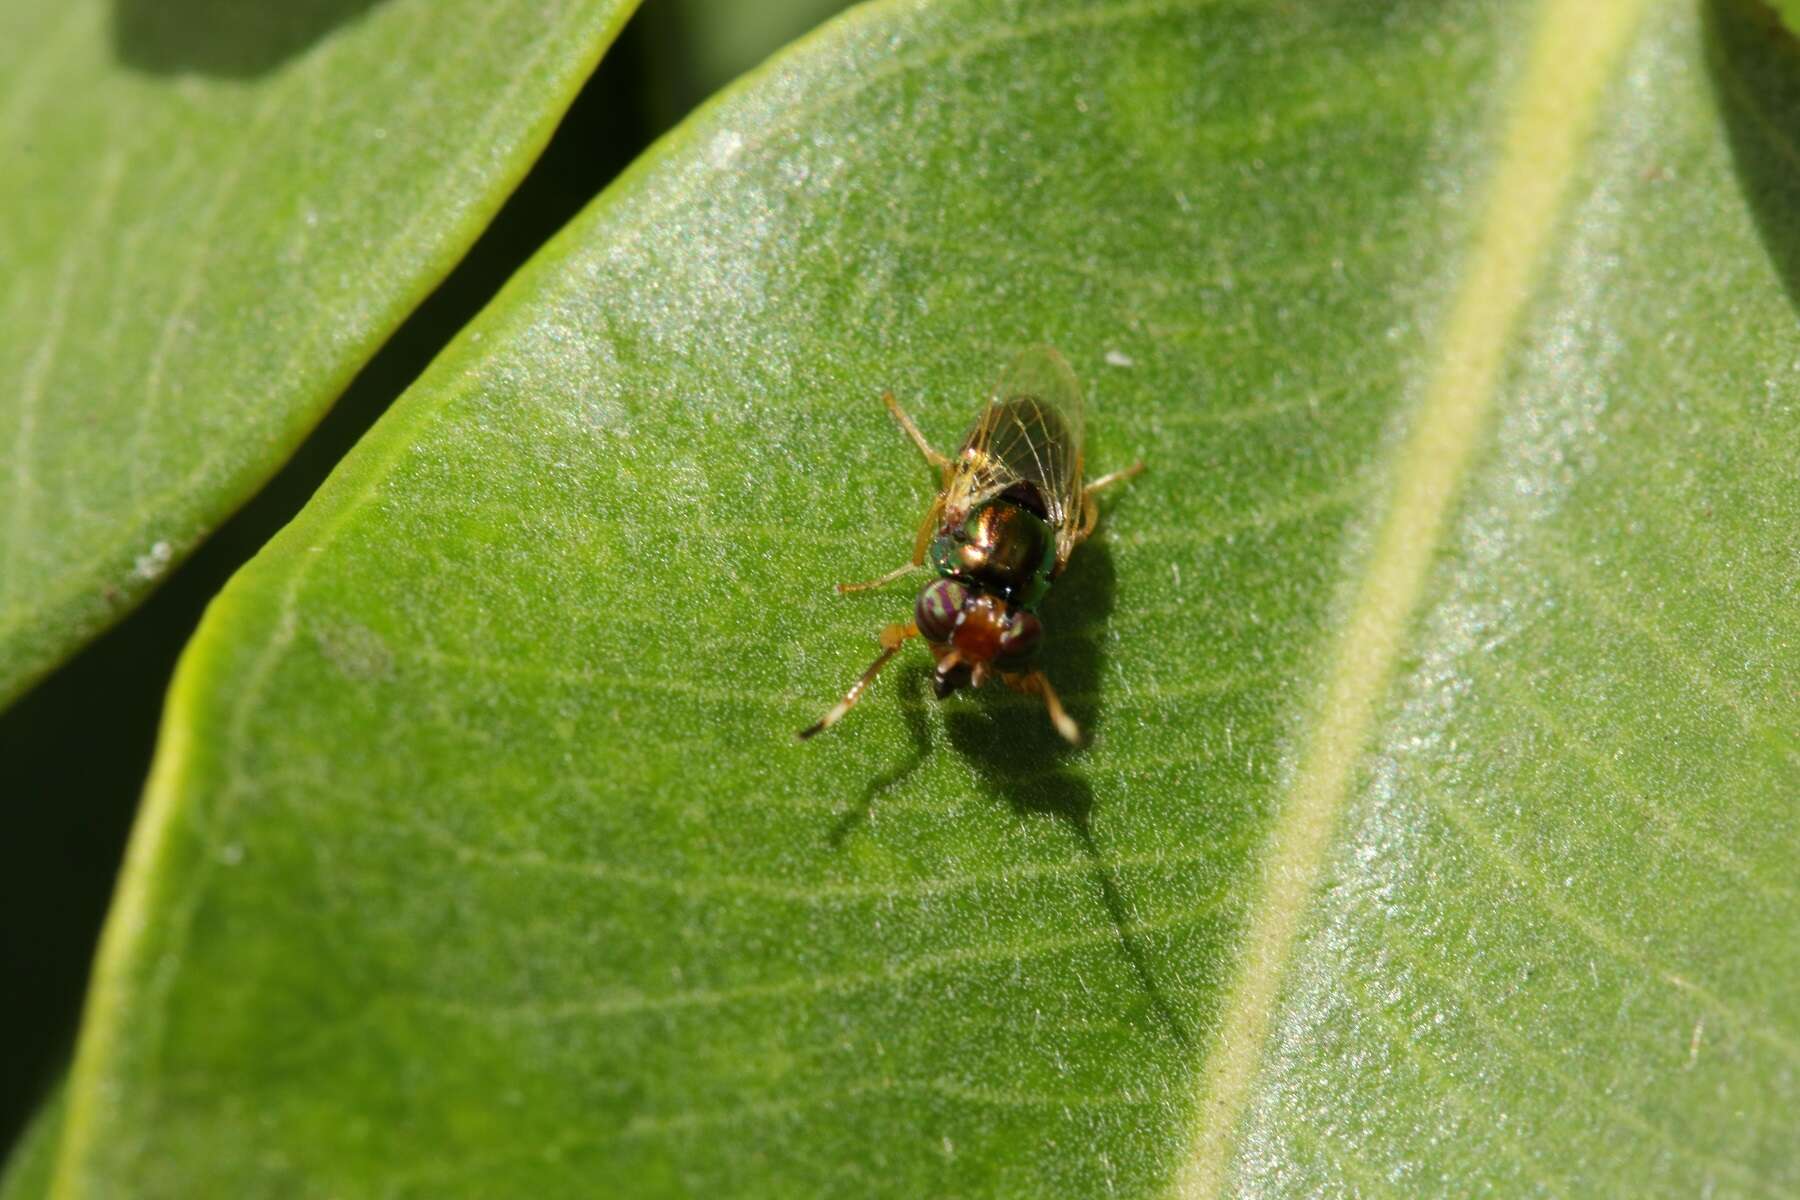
(1027, 442)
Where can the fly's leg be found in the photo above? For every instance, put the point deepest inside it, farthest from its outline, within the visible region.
(1090, 511)
(926, 527)
(923, 539)
(1036, 683)
(892, 638)
(879, 581)
(1106, 481)
(912, 431)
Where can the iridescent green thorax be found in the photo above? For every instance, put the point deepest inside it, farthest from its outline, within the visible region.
(1002, 548)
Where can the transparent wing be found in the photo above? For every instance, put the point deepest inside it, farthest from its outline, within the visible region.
(1027, 442)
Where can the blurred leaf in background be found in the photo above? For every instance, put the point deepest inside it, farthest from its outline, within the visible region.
(216, 216)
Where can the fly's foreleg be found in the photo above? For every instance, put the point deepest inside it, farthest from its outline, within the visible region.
(1036, 683)
(892, 638)
(921, 540)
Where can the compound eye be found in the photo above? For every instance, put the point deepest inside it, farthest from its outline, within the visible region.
(938, 605)
(1021, 638)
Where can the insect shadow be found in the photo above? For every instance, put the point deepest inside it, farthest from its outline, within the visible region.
(1009, 740)
(222, 38)
(910, 685)
(1012, 745)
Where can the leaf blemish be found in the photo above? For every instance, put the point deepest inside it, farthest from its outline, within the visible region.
(153, 562)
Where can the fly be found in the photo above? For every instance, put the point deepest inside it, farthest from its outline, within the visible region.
(1011, 510)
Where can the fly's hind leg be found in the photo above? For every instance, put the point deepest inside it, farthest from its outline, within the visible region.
(892, 638)
(1106, 481)
(1036, 683)
(920, 540)
(1090, 510)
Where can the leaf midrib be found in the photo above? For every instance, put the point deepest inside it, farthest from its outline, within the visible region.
(1554, 105)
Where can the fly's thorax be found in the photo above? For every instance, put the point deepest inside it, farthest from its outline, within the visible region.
(1000, 548)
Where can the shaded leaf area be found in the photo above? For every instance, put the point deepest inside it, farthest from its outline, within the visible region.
(1556, 950)
(695, 47)
(202, 248)
(219, 37)
(480, 858)
(479, 813)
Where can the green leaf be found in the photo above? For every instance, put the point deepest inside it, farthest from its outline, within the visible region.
(28, 1168)
(215, 213)
(1437, 827)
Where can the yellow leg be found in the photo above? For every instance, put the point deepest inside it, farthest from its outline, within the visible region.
(1037, 683)
(1090, 511)
(1106, 481)
(878, 581)
(921, 540)
(892, 638)
(912, 431)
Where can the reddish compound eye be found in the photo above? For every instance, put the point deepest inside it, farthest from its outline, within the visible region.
(938, 604)
(1023, 633)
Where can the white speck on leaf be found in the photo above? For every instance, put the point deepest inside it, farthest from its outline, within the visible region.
(1118, 358)
(153, 562)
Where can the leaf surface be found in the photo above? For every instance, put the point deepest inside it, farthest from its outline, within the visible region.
(30, 1162)
(214, 214)
(1436, 829)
